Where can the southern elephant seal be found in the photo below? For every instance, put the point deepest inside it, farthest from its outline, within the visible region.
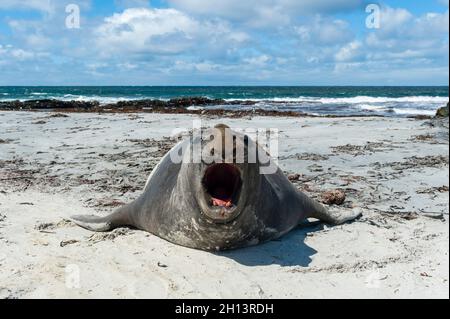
(219, 202)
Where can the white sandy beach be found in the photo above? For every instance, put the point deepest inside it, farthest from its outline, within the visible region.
(395, 170)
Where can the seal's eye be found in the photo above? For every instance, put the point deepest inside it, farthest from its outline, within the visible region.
(222, 182)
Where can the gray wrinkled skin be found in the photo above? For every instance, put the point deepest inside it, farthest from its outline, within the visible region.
(175, 206)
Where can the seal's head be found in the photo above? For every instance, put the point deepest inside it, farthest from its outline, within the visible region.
(225, 179)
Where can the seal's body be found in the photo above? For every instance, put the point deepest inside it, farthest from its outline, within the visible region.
(227, 204)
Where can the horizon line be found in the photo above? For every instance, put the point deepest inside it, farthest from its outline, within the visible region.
(199, 86)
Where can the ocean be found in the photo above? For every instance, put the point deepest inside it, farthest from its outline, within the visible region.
(332, 100)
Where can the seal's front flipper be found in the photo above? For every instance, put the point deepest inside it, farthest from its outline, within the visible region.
(93, 223)
(336, 217)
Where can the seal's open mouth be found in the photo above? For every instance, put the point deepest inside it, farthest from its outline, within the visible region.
(222, 183)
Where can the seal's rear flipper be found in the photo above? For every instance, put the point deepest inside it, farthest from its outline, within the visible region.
(336, 217)
(330, 216)
(121, 217)
(92, 223)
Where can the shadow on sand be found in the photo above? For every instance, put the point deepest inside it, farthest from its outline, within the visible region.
(290, 250)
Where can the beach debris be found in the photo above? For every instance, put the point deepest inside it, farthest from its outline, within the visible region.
(381, 223)
(358, 150)
(440, 189)
(43, 227)
(333, 197)
(110, 203)
(134, 117)
(415, 162)
(409, 216)
(294, 177)
(312, 157)
(315, 168)
(58, 115)
(98, 237)
(65, 243)
(39, 122)
(438, 216)
(423, 138)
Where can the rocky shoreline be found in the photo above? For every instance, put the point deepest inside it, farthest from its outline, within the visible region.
(183, 105)
(173, 106)
(47, 104)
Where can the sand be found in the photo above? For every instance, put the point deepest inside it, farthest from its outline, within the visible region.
(395, 170)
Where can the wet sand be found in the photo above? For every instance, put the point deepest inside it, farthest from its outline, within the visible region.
(54, 165)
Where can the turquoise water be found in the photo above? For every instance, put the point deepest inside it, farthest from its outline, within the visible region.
(392, 101)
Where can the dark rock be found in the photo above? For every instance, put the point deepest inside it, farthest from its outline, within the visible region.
(443, 111)
(47, 105)
(420, 117)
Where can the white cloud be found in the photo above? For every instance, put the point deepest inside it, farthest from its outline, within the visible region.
(199, 67)
(400, 22)
(392, 19)
(206, 66)
(349, 52)
(162, 31)
(258, 61)
(147, 30)
(37, 40)
(404, 42)
(325, 31)
(433, 23)
(127, 66)
(17, 54)
(402, 32)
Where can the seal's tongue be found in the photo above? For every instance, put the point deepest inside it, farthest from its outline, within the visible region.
(221, 198)
(221, 202)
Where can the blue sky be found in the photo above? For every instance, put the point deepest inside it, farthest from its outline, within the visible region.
(224, 42)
